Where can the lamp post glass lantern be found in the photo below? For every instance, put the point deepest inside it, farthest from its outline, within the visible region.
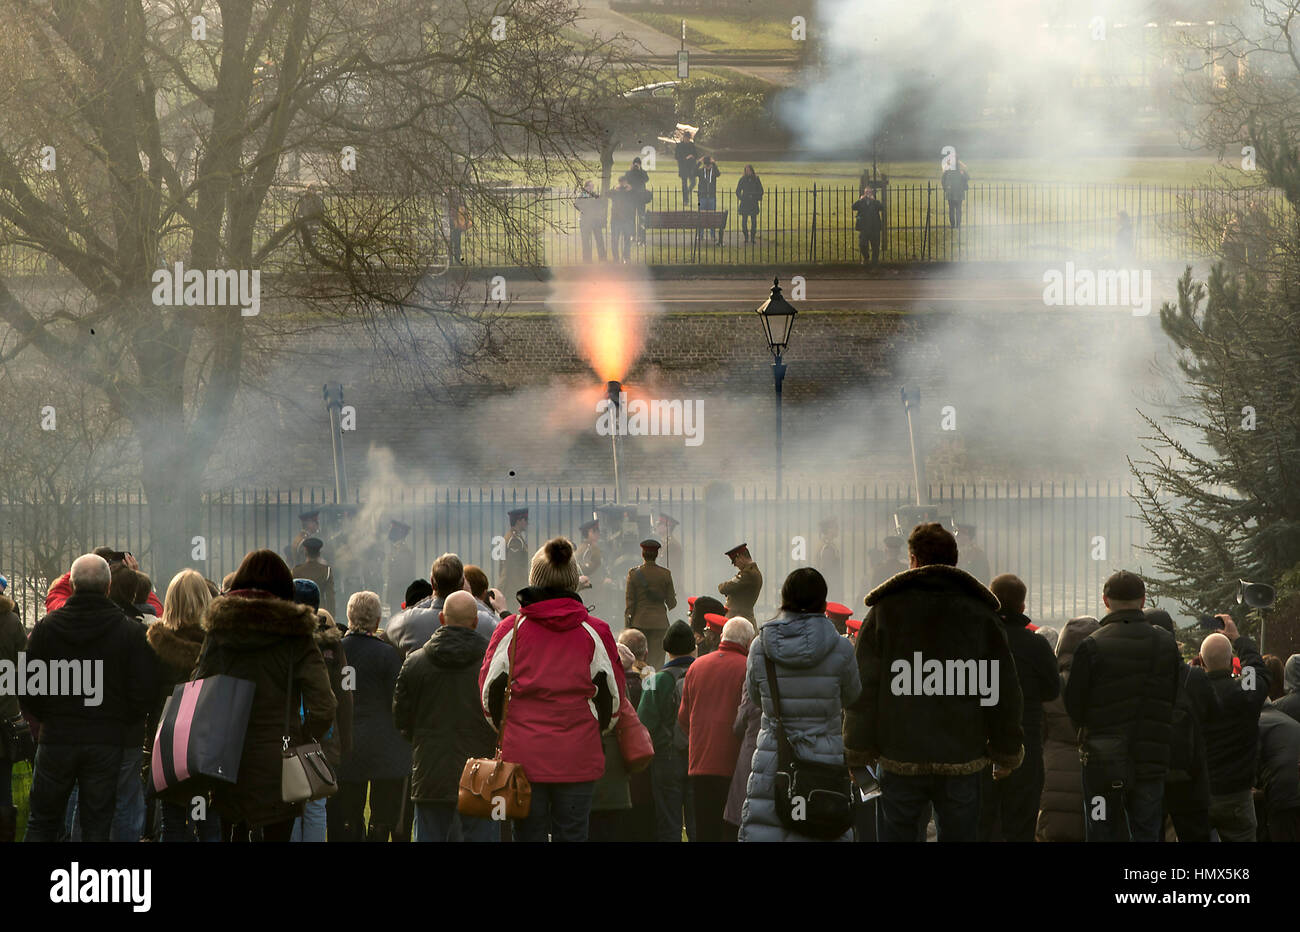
(777, 315)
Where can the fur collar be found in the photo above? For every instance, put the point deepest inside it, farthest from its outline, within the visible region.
(936, 575)
(327, 633)
(176, 647)
(6, 604)
(260, 615)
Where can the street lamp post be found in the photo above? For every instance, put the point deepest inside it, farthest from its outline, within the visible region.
(777, 315)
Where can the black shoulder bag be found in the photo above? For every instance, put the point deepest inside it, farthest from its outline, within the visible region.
(812, 798)
(1111, 755)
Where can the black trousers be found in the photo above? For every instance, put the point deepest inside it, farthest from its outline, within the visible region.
(710, 802)
(1189, 809)
(869, 245)
(279, 832)
(385, 809)
(1009, 807)
(92, 768)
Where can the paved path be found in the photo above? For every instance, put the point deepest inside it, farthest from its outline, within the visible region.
(900, 291)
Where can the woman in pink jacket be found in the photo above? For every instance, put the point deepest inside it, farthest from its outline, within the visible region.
(565, 689)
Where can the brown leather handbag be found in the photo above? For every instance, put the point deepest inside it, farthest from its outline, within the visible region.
(491, 788)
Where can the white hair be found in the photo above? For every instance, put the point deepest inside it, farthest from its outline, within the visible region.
(738, 630)
(90, 573)
(363, 611)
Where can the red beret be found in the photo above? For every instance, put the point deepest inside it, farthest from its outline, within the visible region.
(853, 624)
(836, 610)
(690, 602)
(715, 619)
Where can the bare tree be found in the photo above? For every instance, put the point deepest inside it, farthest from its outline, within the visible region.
(135, 135)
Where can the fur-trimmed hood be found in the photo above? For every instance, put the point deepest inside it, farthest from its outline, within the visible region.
(251, 612)
(327, 632)
(6, 604)
(176, 647)
(935, 576)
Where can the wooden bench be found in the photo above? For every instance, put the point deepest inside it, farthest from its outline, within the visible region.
(686, 219)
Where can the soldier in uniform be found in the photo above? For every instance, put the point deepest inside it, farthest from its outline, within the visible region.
(318, 571)
(514, 569)
(741, 590)
(672, 547)
(589, 552)
(884, 562)
(828, 555)
(295, 553)
(399, 565)
(971, 556)
(839, 615)
(650, 596)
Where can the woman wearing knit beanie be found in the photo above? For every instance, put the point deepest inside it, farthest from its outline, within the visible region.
(566, 686)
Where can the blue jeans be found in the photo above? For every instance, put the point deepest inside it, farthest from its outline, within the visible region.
(708, 202)
(310, 826)
(442, 822)
(903, 799)
(128, 813)
(93, 769)
(1131, 812)
(673, 796)
(560, 810)
(176, 824)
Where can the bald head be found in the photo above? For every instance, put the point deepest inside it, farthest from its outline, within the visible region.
(90, 573)
(460, 610)
(1216, 652)
(636, 642)
(739, 631)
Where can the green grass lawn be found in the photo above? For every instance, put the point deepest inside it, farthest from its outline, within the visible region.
(726, 33)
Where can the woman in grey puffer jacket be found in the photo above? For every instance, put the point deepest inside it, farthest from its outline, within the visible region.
(818, 677)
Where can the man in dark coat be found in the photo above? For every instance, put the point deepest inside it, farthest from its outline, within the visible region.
(955, 181)
(514, 569)
(870, 224)
(1009, 810)
(13, 640)
(742, 590)
(650, 596)
(318, 571)
(1121, 692)
(1290, 702)
(1232, 732)
(940, 698)
(436, 707)
(1279, 774)
(86, 720)
(1187, 784)
(687, 156)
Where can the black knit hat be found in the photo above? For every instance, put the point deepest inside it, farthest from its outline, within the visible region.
(679, 640)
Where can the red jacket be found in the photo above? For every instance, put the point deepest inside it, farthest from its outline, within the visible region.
(710, 698)
(61, 588)
(568, 682)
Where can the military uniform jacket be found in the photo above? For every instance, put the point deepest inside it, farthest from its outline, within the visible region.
(742, 592)
(589, 562)
(649, 596)
(515, 573)
(322, 574)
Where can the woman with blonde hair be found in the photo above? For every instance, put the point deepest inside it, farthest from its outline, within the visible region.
(380, 758)
(177, 638)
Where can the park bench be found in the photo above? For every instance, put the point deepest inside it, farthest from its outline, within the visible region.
(686, 219)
